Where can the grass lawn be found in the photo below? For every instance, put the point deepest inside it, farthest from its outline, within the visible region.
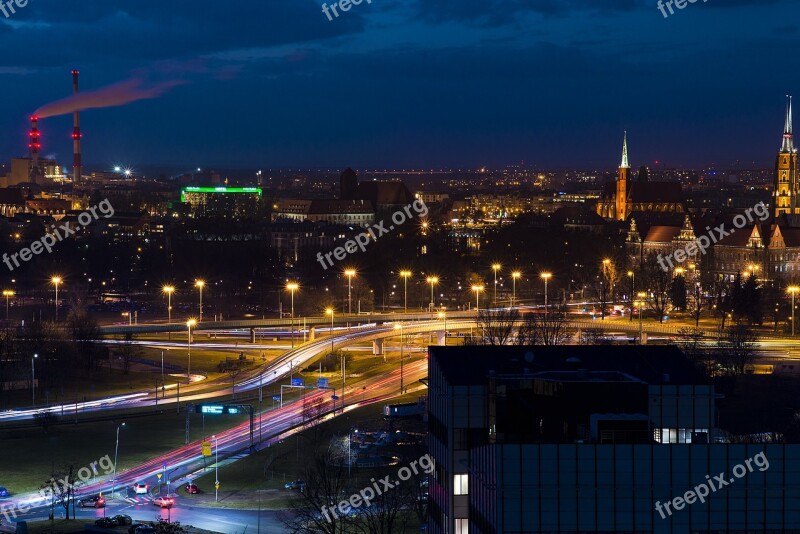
(31, 453)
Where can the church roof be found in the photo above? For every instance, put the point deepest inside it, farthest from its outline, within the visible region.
(655, 192)
(662, 234)
(384, 193)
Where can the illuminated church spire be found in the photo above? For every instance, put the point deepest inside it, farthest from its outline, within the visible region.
(788, 137)
(625, 164)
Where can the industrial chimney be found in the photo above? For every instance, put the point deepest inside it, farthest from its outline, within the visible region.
(76, 133)
(34, 146)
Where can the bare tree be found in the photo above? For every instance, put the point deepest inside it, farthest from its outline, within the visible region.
(696, 304)
(737, 348)
(128, 352)
(691, 341)
(548, 328)
(61, 487)
(496, 327)
(659, 282)
(313, 506)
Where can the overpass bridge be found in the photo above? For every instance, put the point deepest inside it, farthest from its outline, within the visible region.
(308, 321)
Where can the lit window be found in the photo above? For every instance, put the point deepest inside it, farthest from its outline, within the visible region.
(461, 484)
(462, 526)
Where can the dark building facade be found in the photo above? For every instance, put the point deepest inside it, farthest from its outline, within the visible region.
(591, 439)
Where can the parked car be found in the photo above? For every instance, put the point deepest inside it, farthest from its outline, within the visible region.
(95, 501)
(122, 520)
(105, 522)
(163, 502)
(140, 488)
(191, 488)
(4, 492)
(295, 485)
(141, 528)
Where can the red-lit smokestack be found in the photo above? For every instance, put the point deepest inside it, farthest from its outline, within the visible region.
(34, 146)
(76, 133)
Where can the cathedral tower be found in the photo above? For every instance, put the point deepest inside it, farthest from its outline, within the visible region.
(786, 186)
(621, 209)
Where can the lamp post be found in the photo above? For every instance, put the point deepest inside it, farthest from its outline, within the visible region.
(216, 468)
(514, 276)
(200, 284)
(404, 275)
(350, 273)
(400, 327)
(545, 277)
(329, 311)
(116, 450)
(443, 315)
(632, 276)
(432, 280)
(496, 267)
(793, 291)
(477, 289)
(169, 290)
(641, 302)
(33, 379)
(292, 287)
(7, 293)
(189, 324)
(56, 280)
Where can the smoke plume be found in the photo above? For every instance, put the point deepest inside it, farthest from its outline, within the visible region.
(117, 94)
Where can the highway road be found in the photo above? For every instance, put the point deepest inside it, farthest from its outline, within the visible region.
(272, 373)
(186, 463)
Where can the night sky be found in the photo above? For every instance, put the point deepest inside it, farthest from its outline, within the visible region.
(415, 83)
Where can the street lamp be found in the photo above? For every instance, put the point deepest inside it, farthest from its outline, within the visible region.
(216, 467)
(7, 293)
(400, 327)
(350, 273)
(116, 450)
(640, 303)
(753, 270)
(514, 276)
(545, 277)
(189, 324)
(632, 276)
(404, 275)
(200, 284)
(56, 280)
(496, 267)
(169, 290)
(793, 290)
(329, 311)
(432, 280)
(33, 379)
(477, 289)
(443, 315)
(292, 287)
